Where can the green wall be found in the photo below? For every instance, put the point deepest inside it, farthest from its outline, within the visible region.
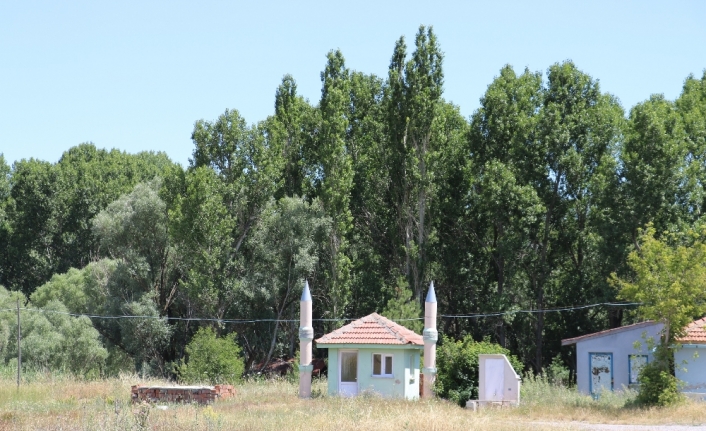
(404, 382)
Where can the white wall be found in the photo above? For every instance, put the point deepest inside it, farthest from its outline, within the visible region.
(620, 344)
(509, 384)
(690, 367)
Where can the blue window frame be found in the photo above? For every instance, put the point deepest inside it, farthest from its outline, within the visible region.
(635, 364)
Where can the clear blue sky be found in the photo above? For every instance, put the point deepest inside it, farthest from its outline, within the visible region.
(135, 75)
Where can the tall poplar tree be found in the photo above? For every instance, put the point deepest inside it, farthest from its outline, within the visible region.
(414, 93)
(337, 176)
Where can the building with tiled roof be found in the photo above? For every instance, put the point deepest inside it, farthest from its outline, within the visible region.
(690, 357)
(694, 333)
(373, 354)
(372, 329)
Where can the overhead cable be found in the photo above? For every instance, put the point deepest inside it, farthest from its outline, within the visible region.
(243, 321)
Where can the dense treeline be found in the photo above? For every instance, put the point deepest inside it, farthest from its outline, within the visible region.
(370, 193)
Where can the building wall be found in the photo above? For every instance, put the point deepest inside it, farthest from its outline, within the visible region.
(404, 382)
(690, 367)
(621, 345)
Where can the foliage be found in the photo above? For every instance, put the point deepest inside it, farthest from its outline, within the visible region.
(669, 280)
(145, 336)
(531, 203)
(658, 385)
(51, 339)
(80, 290)
(457, 364)
(211, 359)
(285, 247)
(50, 208)
(404, 309)
(557, 373)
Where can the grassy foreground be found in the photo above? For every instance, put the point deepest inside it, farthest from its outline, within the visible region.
(62, 403)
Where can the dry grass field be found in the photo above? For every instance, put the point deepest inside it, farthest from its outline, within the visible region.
(62, 403)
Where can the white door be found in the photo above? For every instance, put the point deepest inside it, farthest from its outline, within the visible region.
(494, 379)
(348, 383)
(601, 372)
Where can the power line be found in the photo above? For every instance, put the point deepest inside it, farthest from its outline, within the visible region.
(245, 321)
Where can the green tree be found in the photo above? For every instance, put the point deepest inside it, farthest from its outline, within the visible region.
(133, 230)
(48, 217)
(403, 308)
(413, 97)
(5, 188)
(243, 160)
(289, 134)
(669, 279)
(577, 132)
(503, 206)
(284, 246)
(51, 340)
(146, 336)
(369, 246)
(654, 157)
(691, 106)
(337, 177)
(211, 359)
(82, 291)
(203, 227)
(34, 226)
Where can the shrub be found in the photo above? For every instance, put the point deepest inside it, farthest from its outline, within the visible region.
(658, 387)
(557, 373)
(211, 359)
(457, 363)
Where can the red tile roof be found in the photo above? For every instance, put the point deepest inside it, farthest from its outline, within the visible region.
(570, 341)
(372, 329)
(694, 333)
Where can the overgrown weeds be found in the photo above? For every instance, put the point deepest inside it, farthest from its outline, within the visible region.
(64, 403)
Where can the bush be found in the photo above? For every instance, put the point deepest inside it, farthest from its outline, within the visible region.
(457, 363)
(211, 359)
(557, 373)
(658, 387)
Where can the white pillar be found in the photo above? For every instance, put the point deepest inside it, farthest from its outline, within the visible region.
(430, 336)
(306, 336)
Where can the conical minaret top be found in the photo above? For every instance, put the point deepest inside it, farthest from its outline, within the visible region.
(431, 295)
(306, 294)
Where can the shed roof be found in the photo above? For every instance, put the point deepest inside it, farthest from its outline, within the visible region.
(694, 333)
(372, 329)
(569, 341)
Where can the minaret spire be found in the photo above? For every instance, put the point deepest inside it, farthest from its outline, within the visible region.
(306, 336)
(430, 337)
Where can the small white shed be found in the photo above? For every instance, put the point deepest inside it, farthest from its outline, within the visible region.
(373, 354)
(608, 360)
(690, 358)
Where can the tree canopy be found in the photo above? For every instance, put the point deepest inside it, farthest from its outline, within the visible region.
(371, 192)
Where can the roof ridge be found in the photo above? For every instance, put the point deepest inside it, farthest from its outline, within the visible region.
(386, 324)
